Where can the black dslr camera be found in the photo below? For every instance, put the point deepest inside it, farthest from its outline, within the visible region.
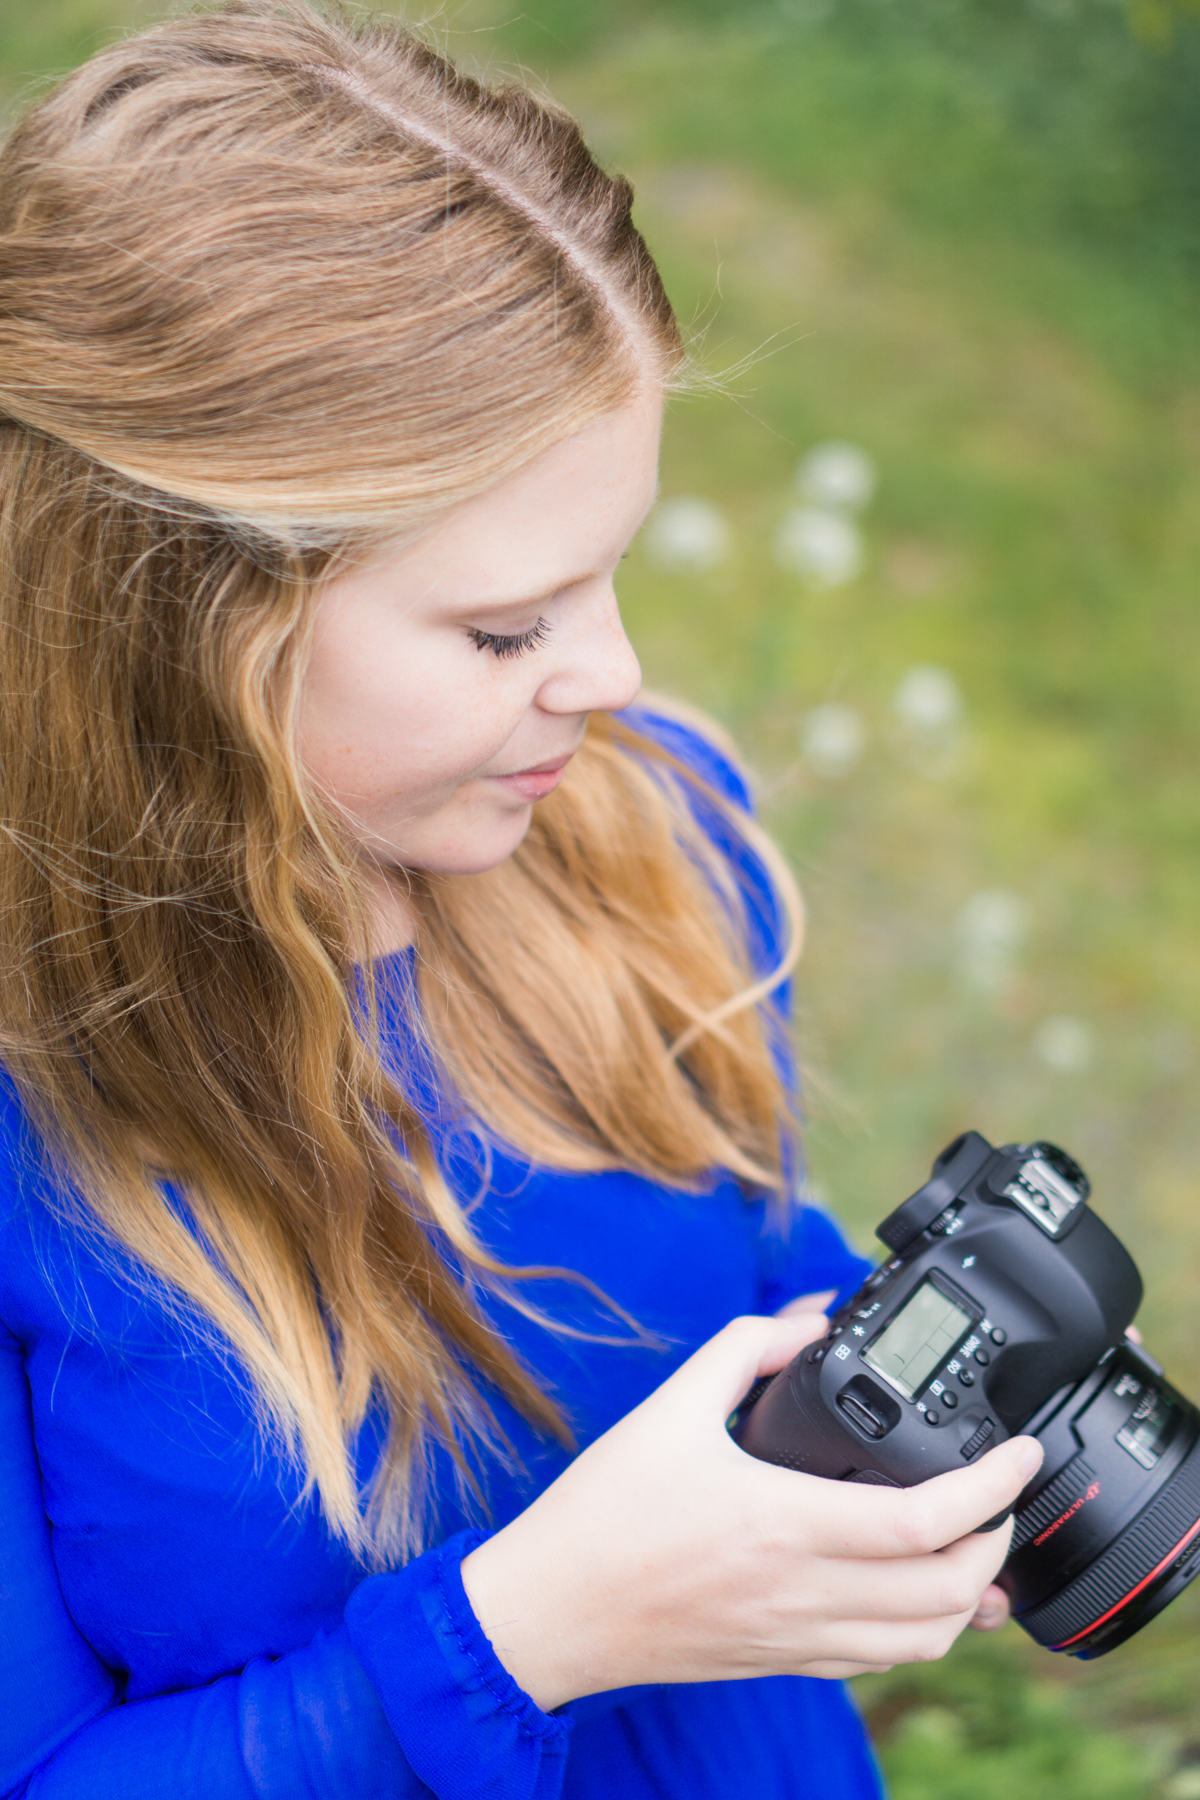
(1003, 1310)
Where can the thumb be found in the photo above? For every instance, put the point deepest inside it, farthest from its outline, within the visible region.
(723, 1371)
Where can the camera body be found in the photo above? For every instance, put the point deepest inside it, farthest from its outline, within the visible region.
(1002, 1309)
(1002, 1288)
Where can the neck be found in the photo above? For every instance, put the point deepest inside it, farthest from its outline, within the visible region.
(393, 922)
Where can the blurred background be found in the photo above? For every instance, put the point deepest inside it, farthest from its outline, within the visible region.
(933, 555)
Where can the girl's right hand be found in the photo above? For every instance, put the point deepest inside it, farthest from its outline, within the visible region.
(664, 1553)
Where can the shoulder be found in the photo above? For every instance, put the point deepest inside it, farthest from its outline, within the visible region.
(22, 1160)
(698, 743)
(24, 1182)
(720, 801)
(36, 1198)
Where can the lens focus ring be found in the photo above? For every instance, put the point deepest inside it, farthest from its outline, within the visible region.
(1124, 1571)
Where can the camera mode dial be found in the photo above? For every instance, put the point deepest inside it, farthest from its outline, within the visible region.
(958, 1164)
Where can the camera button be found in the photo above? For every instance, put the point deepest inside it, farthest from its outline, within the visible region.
(868, 1408)
(817, 1353)
(981, 1356)
(999, 1335)
(949, 1399)
(967, 1377)
(933, 1418)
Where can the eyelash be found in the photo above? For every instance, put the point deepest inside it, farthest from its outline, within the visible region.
(515, 645)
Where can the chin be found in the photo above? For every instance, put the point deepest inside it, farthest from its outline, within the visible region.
(476, 854)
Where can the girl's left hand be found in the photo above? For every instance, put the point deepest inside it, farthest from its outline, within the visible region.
(992, 1611)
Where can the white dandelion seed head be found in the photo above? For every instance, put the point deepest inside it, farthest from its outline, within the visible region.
(1066, 1045)
(927, 700)
(688, 533)
(837, 476)
(990, 932)
(823, 548)
(832, 739)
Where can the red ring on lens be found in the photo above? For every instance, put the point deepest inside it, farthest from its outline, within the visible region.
(1133, 1593)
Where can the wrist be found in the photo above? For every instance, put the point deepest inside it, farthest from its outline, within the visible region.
(527, 1610)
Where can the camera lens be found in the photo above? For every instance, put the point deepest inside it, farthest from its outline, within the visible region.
(1111, 1535)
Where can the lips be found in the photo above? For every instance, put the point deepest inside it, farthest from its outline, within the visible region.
(538, 780)
(554, 766)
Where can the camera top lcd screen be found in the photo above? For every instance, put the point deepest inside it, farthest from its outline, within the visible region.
(918, 1340)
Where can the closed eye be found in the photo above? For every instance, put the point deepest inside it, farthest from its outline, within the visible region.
(514, 645)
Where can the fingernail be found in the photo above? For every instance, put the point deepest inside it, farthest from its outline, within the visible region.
(1030, 1459)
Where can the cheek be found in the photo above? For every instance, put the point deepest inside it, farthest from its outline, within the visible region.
(386, 722)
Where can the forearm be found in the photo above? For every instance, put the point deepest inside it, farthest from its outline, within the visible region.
(308, 1727)
(405, 1699)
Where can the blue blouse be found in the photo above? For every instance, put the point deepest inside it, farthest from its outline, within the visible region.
(175, 1618)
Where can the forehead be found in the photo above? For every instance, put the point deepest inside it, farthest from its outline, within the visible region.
(567, 515)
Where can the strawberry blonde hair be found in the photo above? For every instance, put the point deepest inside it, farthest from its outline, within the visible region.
(278, 285)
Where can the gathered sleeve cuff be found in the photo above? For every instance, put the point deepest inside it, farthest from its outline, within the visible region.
(468, 1731)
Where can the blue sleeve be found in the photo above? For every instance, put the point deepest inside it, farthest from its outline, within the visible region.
(405, 1698)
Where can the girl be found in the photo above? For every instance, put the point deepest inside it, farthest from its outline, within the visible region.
(392, 1012)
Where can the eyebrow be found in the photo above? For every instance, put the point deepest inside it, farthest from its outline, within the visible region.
(508, 602)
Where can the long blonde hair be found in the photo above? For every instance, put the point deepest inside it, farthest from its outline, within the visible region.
(277, 284)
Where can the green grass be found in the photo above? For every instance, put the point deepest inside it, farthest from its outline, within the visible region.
(967, 238)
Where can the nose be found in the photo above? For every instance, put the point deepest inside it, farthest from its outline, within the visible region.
(597, 670)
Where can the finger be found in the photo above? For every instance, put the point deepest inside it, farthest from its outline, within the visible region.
(724, 1370)
(853, 1519)
(937, 1512)
(993, 1610)
(1134, 1335)
(807, 1303)
(841, 1671)
(946, 1584)
(885, 1645)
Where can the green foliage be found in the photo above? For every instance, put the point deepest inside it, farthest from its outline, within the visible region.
(1050, 115)
(960, 1752)
(43, 40)
(1001, 1717)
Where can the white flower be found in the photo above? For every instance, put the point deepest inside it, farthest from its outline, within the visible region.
(991, 931)
(1064, 1044)
(927, 700)
(822, 547)
(687, 533)
(836, 477)
(929, 732)
(832, 738)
